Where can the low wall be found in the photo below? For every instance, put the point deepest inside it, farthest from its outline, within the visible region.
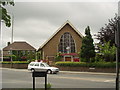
(87, 69)
(81, 69)
(17, 66)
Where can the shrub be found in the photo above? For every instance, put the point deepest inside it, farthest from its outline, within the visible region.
(58, 57)
(15, 62)
(71, 64)
(83, 64)
(99, 57)
(8, 58)
(23, 58)
(14, 58)
(49, 86)
(30, 60)
(105, 64)
(107, 51)
(6, 62)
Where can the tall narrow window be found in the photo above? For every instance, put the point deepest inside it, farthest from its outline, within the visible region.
(67, 44)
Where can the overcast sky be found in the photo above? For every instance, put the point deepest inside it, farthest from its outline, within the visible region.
(35, 22)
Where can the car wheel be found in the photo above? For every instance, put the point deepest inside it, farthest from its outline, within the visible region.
(32, 70)
(49, 71)
(55, 73)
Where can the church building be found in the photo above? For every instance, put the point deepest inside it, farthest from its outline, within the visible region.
(66, 41)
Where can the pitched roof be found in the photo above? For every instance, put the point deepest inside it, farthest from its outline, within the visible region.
(19, 46)
(67, 22)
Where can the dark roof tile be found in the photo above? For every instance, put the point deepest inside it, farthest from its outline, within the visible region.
(19, 46)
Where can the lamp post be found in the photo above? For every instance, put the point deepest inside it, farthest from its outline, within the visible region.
(1, 53)
(12, 28)
(12, 21)
(11, 56)
(1, 40)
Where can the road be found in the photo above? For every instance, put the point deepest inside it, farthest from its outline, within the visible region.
(21, 78)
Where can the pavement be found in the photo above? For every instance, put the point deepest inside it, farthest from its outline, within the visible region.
(95, 73)
(69, 72)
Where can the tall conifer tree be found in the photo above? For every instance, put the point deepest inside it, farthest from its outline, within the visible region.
(87, 49)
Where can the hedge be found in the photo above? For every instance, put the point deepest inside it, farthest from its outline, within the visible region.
(15, 62)
(84, 64)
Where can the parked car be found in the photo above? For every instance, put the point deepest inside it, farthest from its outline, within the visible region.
(40, 66)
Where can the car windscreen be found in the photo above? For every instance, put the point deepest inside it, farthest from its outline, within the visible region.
(31, 64)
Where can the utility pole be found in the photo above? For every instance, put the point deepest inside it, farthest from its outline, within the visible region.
(117, 42)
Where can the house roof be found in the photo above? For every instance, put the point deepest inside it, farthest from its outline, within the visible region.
(67, 22)
(19, 46)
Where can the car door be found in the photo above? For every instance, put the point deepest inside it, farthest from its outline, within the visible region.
(42, 66)
(36, 66)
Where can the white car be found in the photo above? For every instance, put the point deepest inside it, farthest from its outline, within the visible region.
(40, 66)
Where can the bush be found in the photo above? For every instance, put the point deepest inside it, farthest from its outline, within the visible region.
(99, 58)
(6, 62)
(8, 58)
(15, 62)
(31, 60)
(58, 57)
(23, 58)
(71, 64)
(105, 64)
(49, 86)
(83, 64)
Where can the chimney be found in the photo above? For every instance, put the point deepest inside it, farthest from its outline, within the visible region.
(8, 43)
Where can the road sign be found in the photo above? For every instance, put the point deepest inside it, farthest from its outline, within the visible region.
(39, 74)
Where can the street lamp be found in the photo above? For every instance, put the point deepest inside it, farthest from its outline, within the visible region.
(12, 22)
(11, 56)
(12, 25)
(1, 37)
(1, 53)
(12, 28)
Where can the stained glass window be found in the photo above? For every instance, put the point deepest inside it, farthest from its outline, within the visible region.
(66, 44)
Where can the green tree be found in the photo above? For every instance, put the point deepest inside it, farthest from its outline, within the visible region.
(3, 11)
(107, 33)
(107, 51)
(87, 50)
(58, 57)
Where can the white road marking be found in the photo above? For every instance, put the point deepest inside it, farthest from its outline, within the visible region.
(110, 81)
(87, 79)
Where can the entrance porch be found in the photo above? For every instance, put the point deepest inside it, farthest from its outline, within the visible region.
(72, 57)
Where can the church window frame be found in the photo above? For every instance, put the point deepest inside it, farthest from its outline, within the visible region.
(66, 40)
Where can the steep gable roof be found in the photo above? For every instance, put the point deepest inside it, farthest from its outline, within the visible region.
(19, 46)
(67, 22)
